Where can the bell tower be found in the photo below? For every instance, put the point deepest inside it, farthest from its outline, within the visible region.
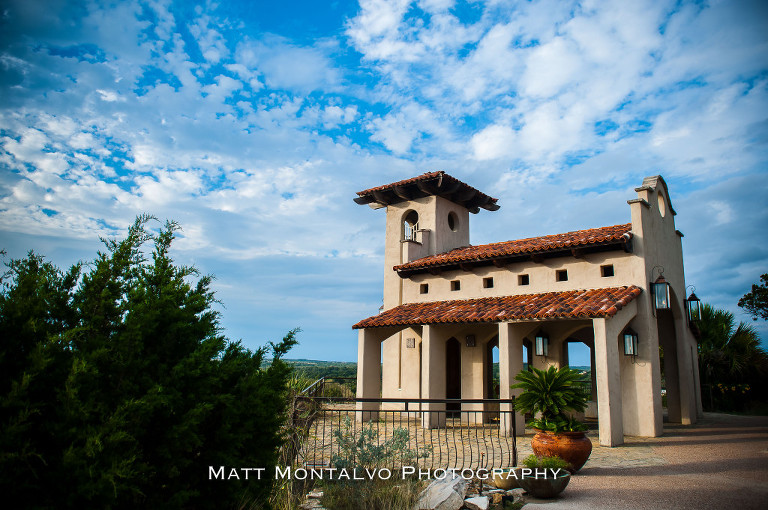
(426, 215)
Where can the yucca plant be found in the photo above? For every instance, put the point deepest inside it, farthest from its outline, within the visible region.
(548, 395)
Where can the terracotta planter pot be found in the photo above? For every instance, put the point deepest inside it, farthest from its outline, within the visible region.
(572, 447)
(545, 488)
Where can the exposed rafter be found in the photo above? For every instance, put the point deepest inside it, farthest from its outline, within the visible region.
(429, 184)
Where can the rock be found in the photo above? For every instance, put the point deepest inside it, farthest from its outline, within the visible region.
(315, 494)
(496, 497)
(311, 504)
(443, 494)
(516, 493)
(481, 503)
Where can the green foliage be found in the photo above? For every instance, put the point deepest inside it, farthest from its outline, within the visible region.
(534, 462)
(117, 389)
(730, 356)
(549, 395)
(376, 494)
(364, 449)
(756, 301)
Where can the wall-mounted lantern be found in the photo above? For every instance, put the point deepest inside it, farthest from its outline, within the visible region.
(470, 340)
(630, 342)
(694, 306)
(541, 347)
(660, 291)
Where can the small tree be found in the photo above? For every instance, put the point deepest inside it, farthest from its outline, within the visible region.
(117, 388)
(756, 301)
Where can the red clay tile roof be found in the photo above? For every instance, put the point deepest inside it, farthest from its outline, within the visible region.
(575, 304)
(533, 245)
(430, 183)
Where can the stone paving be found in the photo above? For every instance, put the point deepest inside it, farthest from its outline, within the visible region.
(635, 452)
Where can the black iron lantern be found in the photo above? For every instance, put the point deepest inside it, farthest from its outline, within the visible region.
(694, 307)
(541, 347)
(660, 290)
(630, 342)
(470, 340)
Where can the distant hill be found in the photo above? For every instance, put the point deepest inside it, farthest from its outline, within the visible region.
(315, 369)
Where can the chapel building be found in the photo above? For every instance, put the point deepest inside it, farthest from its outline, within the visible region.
(619, 289)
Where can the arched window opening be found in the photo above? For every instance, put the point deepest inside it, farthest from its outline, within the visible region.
(410, 226)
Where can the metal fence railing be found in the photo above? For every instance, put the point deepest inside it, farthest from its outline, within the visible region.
(343, 387)
(428, 433)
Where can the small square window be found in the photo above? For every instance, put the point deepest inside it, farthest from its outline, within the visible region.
(523, 279)
(488, 283)
(455, 285)
(423, 288)
(606, 271)
(561, 275)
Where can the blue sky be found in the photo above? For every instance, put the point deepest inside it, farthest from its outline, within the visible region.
(254, 123)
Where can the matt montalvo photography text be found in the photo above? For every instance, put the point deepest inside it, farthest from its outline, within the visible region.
(289, 473)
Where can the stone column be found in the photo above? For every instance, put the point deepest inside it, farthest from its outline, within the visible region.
(608, 382)
(368, 373)
(432, 376)
(510, 364)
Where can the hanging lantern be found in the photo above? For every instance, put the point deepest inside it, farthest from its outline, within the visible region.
(630, 342)
(694, 308)
(542, 344)
(660, 289)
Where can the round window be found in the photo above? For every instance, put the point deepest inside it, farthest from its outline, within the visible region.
(453, 221)
(662, 205)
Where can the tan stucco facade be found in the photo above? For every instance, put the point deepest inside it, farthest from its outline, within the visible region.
(627, 389)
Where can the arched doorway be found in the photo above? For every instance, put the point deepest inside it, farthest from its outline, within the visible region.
(453, 373)
(527, 354)
(668, 362)
(492, 370)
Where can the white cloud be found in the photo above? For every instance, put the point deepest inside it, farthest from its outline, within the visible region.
(256, 142)
(493, 142)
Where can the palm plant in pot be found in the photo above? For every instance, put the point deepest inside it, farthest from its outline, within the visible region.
(549, 395)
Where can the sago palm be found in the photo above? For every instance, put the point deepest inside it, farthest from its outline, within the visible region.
(550, 394)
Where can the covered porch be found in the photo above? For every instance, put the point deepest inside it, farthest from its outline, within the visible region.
(445, 351)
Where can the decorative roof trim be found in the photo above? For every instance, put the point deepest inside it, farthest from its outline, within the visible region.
(651, 183)
(431, 183)
(590, 239)
(575, 304)
(640, 201)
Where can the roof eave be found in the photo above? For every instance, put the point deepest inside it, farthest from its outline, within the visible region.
(623, 244)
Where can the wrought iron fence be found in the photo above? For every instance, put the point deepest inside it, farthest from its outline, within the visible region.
(343, 387)
(423, 433)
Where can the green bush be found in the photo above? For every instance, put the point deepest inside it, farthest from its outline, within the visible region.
(363, 449)
(117, 389)
(534, 462)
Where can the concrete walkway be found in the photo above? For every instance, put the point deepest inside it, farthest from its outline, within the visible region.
(720, 462)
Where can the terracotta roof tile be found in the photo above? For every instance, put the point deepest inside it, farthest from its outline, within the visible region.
(423, 177)
(579, 238)
(576, 304)
(431, 183)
